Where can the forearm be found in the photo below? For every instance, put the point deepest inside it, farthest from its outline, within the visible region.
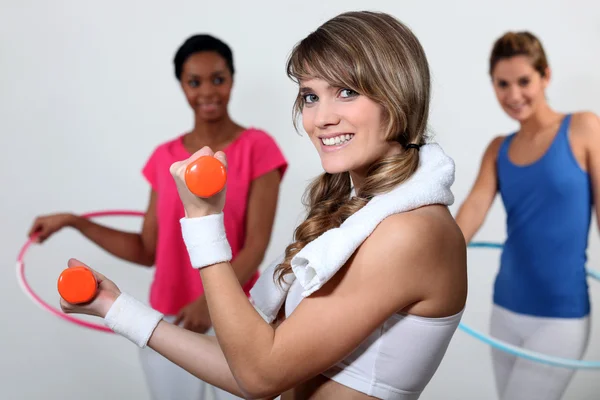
(125, 245)
(198, 354)
(244, 266)
(245, 338)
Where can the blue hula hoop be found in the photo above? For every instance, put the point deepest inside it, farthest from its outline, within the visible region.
(523, 353)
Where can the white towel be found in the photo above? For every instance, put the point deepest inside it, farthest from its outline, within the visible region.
(319, 260)
(267, 295)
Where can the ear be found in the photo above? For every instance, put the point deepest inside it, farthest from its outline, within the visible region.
(546, 77)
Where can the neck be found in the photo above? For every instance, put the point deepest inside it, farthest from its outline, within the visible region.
(357, 180)
(213, 133)
(358, 176)
(539, 120)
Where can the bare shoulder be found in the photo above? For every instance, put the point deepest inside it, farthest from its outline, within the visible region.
(585, 118)
(496, 142)
(584, 134)
(425, 251)
(421, 229)
(491, 151)
(585, 123)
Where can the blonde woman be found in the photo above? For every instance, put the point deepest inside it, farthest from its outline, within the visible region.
(371, 291)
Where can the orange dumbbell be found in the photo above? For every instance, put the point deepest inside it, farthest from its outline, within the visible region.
(206, 176)
(77, 285)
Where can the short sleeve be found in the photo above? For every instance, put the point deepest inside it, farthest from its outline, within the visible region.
(151, 167)
(267, 156)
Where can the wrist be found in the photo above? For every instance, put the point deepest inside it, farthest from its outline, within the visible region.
(132, 319)
(108, 303)
(206, 240)
(192, 212)
(74, 221)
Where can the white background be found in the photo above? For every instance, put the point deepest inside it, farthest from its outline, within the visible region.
(87, 90)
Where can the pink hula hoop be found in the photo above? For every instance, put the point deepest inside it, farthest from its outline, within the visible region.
(38, 300)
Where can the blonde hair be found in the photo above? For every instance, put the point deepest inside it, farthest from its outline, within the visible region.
(523, 43)
(379, 57)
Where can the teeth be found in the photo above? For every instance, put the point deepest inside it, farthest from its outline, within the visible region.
(337, 140)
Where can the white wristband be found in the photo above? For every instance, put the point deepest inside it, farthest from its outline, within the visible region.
(132, 319)
(205, 240)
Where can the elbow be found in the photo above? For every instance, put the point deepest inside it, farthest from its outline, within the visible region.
(146, 258)
(148, 262)
(259, 393)
(255, 384)
(149, 259)
(146, 252)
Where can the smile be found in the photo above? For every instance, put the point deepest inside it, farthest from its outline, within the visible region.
(208, 106)
(516, 107)
(337, 140)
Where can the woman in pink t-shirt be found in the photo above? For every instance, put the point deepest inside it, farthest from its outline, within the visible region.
(204, 67)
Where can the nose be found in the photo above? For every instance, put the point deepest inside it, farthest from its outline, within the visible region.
(206, 90)
(326, 115)
(513, 94)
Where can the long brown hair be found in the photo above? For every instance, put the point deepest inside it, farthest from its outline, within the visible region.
(377, 56)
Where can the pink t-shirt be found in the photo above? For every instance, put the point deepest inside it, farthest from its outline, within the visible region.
(176, 284)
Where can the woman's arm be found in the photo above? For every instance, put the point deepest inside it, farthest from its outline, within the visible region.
(196, 353)
(378, 281)
(139, 248)
(588, 125)
(472, 212)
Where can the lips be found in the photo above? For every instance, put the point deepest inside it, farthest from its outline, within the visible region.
(337, 140)
(516, 107)
(208, 107)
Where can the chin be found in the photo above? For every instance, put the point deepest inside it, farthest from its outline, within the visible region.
(212, 117)
(521, 115)
(337, 165)
(334, 167)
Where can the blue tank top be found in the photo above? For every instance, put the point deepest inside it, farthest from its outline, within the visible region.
(548, 207)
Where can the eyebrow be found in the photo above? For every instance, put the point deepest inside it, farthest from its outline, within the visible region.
(518, 78)
(308, 89)
(193, 75)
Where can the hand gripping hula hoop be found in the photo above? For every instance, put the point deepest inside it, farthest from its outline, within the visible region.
(523, 353)
(38, 300)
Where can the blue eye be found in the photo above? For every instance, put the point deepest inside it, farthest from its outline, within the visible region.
(346, 93)
(310, 98)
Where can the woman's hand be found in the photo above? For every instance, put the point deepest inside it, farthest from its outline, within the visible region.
(194, 316)
(44, 226)
(106, 295)
(195, 206)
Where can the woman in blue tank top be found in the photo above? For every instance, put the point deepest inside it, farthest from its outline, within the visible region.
(547, 174)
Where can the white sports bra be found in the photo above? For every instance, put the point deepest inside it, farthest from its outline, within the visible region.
(396, 361)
